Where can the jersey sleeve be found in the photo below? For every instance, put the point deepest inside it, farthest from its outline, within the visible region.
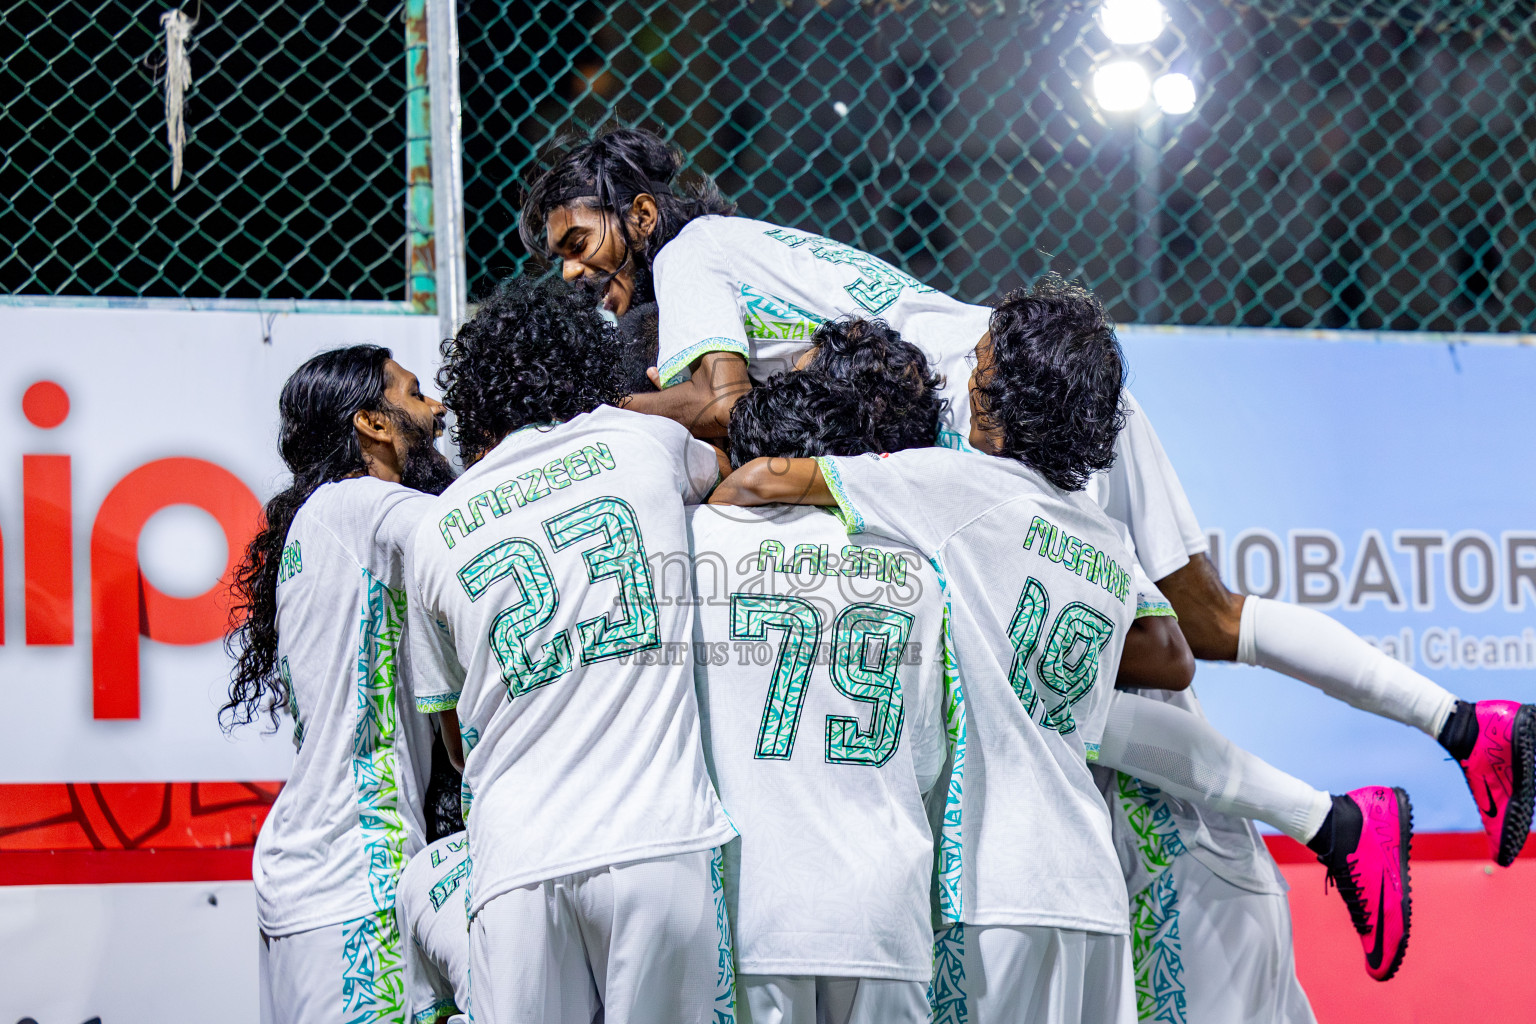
(881, 494)
(1149, 600)
(1142, 491)
(432, 668)
(699, 304)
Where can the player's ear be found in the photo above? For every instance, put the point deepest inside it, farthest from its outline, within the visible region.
(643, 216)
(373, 425)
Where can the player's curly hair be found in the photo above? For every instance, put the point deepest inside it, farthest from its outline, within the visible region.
(534, 352)
(605, 170)
(810, 413)
(891, 372)
(1053, 389)
(318, 442)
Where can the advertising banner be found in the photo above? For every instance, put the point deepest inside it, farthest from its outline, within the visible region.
(136, 445)
(1386, 481)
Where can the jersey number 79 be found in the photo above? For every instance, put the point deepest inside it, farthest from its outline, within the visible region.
(862, 633)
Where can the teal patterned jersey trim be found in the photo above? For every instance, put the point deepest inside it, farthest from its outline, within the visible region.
(437, 702)
(948, 865)
(725, 967)
(470, 736)
(448, 885)
(1157, 834)
(769, 316)
(441, 1008)
(846, 510)
(946, 993)
(375, 761)
(292, 702)
(673, 368)
(1156, 953)
(373, 982)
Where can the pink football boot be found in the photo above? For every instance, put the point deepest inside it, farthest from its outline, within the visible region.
(1499, 774)
(1369, 863)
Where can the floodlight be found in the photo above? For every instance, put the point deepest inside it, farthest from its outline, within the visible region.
(1132, 22)
(1174, 93)
(1121, 86)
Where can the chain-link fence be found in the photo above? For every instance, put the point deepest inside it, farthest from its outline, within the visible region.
(294, 179)
(1345, 165)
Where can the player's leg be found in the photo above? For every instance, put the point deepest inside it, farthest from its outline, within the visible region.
(1228, 949)
(1493, 741)
(667, 957)
(995, 974)
(871, 1001)
(775, 999)
(1362, 837)
(527, 961)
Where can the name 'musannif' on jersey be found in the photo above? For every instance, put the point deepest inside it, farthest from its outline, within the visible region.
(349, 815)
(534, 587)
(433, 915)
(820, 668)
(1040, 598)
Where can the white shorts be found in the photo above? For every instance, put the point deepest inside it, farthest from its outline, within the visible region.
(353, 972)
(646, 943)
(1208, 952)
(992, 974)
(775, 999)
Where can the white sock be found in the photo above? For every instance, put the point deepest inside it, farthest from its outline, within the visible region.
(1305, 644)
(1182, 754)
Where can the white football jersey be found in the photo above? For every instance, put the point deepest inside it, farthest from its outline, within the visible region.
(1040, 597)
(731, 284)
(431, 907)
(820, 668)
(535, 595)
(349, 815)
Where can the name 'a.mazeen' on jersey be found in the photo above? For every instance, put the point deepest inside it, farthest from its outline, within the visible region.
(1037, 642)
(823, 726)
(527, 624)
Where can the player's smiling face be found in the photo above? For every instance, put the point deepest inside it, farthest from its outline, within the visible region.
(593, 250)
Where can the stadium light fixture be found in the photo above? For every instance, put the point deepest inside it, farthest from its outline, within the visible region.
(1132, 22)
(1121, 86)
(1174, 93)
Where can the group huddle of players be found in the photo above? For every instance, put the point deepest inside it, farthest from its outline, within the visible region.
(875, 709)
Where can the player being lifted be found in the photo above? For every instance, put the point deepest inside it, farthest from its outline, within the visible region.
(735, 294)
(1204, 865)
(829, 882)
(593, 836)
(321, 607)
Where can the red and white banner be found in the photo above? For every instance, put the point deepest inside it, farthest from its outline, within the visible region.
(136, 446)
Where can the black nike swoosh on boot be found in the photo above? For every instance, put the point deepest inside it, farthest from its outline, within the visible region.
(1373, 958)
(1493, 807)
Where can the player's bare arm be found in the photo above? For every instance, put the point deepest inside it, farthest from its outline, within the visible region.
(453, 742)
(1209, 613)
(703, 402)
(1156, 656)
(770, 481)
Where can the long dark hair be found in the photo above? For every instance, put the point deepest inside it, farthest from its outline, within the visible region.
(1054, 389)
(319, 444)
(606, 169)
